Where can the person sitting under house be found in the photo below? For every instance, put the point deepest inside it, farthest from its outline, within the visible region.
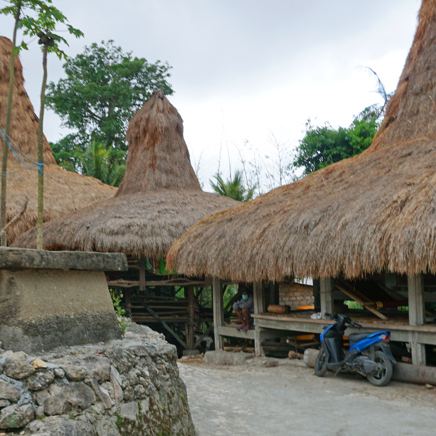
(244, 308)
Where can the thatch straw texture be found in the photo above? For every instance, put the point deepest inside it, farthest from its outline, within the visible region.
(64, 191)
(158, 199)
(373, 212)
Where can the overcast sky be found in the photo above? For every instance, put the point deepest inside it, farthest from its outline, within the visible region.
(243, 69)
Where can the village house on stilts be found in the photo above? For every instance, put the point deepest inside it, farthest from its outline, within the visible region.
(64, 191)
(364, 228)
(158, 200)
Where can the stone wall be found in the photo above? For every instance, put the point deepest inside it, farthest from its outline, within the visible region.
(295, 295)
(122, 387)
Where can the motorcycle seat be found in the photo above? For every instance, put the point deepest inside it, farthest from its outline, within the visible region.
(356, 337)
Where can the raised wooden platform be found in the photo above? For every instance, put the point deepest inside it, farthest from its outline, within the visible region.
(401, 332)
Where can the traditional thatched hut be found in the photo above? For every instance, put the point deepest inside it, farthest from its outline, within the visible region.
(372, 213)
(158, 200)
(64, 191)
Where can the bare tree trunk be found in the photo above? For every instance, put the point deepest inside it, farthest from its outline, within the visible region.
(3, 237)
(39, 222)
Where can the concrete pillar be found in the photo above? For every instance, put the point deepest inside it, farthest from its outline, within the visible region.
(218, 310)
(415, 286)
(326, 295)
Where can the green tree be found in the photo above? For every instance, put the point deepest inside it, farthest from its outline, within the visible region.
(43, 26)
(104, 87)
(98, 162)
(232, 188)
(323, 145)
(105, 164)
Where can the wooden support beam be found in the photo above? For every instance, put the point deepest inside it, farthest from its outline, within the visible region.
(259, 307)
(326, 295)
(415, 286)
(191, 312)
(142, 274)
(175, 335)
(361, 299)
(128, 302)
(316, 295)
(218, 310)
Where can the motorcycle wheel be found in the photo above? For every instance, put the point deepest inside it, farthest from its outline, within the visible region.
(383, 377)
(321, 363)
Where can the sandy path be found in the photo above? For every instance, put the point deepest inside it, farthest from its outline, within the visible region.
(290, 400)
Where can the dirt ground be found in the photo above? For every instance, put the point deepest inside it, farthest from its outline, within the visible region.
(289, 399)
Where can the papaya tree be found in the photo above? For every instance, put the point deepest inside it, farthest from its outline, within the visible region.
(44, 27)
(47, 17)
(17, 9)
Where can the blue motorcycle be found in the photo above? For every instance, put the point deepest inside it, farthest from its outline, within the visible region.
(369, 353)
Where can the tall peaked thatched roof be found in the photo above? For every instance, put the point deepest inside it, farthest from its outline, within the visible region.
(158, 199)
(64, 191)
(372, 212)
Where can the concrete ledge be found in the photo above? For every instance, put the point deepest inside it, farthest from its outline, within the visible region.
(24, 258)
(226, 358)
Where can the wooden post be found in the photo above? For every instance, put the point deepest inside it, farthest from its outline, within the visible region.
(191, 324)
(326, 295)
(142, 274)
(218, 310)
(415, 286)
(128, 302)
(316, 295)
(259, 307)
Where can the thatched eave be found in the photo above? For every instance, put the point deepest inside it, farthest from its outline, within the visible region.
(373, 212)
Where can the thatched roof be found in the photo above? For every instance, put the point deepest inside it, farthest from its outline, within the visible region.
(64, 191)
(373, 212)
(158, 199)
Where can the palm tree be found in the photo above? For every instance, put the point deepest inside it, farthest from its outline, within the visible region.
(102, 163)
(232, 188)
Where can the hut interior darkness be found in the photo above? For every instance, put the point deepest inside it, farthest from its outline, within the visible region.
(64, 191)
(158, 200)
(368, 222)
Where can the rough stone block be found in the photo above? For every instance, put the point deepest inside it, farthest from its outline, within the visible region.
(40, 380)
(16, 417)
(8, 392)
(17, 366)
(226, 358)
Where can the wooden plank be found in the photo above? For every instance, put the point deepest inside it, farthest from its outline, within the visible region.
(355, 297)
(175, 335)
(377, 325)
(399, 333)
(415, 286)
(326, 295)
(218, 310)
(233, 333)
